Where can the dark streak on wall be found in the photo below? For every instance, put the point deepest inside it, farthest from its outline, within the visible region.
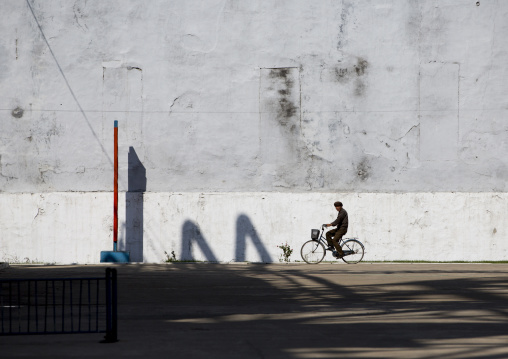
(356, 73)
(286, 109)
(363, 169)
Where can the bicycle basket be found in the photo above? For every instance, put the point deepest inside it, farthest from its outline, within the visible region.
(314, 234)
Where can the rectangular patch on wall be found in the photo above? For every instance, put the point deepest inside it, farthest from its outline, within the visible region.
(439, 111)
(280, 127)
(122, 100)
(279, 106)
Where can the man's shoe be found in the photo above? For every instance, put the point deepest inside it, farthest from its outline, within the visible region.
(338, 255)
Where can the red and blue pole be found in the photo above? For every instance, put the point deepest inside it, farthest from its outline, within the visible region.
(115, 200)
(115, 256)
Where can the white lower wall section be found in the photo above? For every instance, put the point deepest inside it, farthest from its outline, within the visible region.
(72, 227)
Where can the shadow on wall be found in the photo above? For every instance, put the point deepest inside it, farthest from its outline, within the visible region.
(191, 233)
(244, 229)
(134, 206)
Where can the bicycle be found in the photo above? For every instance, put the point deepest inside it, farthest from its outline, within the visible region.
(314, 251)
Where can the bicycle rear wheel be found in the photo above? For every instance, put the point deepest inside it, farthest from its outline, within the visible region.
(353, 251)
(313, 252)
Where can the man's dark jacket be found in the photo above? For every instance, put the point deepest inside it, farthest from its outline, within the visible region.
(342, 221)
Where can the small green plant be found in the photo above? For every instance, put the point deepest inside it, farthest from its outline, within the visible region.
(170, 259)
(26, 260)
(286, 253)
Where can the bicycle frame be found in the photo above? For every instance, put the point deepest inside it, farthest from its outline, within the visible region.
(322, 240)
(314, 250)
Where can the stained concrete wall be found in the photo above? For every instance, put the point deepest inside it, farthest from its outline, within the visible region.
(242, 99)
(228, 227)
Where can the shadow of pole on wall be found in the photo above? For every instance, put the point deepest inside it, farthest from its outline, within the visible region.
(244, 229)
(191, 233)
(134, 206)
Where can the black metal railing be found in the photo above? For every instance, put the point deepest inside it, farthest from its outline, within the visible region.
(60, 306)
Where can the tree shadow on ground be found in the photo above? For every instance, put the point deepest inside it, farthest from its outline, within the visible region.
(301, 311)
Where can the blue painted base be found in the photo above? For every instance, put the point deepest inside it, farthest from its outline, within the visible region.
(115, 257)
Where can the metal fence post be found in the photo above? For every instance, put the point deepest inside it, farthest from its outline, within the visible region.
(114, 307)
(111, 307)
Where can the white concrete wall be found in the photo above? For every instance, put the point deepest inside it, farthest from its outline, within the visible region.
(225, 227)
(371, 101)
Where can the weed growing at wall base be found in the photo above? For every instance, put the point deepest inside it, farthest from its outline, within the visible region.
(286, 253)
(170, 259)
(26, 260)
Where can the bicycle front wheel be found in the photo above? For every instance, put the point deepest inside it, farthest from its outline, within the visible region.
(353, 251)
(313, 252)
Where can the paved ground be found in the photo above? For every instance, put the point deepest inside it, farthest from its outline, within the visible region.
(290, 311)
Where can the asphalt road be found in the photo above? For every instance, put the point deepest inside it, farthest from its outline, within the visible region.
(200, 310)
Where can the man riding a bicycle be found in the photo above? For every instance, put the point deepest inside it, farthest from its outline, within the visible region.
(334, 236)
(350, 250)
